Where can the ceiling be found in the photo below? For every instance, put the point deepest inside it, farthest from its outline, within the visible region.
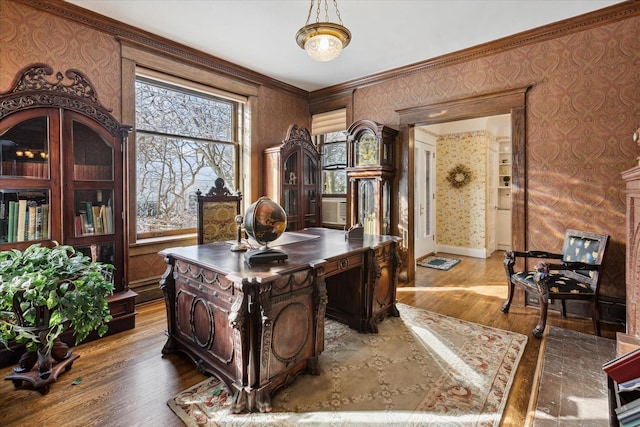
(387, 34)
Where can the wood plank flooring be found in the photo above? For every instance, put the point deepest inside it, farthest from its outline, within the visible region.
(125, 381)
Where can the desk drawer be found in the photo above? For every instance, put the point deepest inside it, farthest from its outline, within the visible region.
(338, 265)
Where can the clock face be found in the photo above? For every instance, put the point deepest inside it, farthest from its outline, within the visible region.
(367, 150)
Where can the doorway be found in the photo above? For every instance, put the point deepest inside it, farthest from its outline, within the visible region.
(509, 101)
(491, 133)
(424, 193)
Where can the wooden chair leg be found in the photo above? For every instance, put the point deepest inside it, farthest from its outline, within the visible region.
(507, 304)
(539, 329)
(595, 315)
(563, 310)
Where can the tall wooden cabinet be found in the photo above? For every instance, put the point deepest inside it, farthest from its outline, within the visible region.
(292, 178)
(370, 174)
(62, 175)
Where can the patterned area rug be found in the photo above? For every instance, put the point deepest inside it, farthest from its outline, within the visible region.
(440, 263)
(421, 369)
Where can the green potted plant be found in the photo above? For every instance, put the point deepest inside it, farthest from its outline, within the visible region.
(43, 292)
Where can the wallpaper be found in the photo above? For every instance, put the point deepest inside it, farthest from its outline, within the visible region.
(28, 36)
(461, 212)
(581, 112)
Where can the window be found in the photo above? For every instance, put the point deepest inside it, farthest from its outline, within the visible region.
(334, 163)
(329, 127)
(185, 140)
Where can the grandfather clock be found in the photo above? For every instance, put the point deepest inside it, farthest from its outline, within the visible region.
(370, 173)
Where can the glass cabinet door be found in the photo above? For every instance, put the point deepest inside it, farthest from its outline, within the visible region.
(367, 206)
(92, 195)
(310, 169)
(25, 150)
(290, 190)
(28, 142)
(385, 226)
(92, 156)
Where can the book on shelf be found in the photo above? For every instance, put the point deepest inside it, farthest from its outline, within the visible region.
(97, 220)
(11, 233)
(32, 219)
(22, 217)
(94, 220)
(625, 367)
(45, 221)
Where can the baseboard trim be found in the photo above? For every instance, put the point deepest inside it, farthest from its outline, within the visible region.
(459, 250)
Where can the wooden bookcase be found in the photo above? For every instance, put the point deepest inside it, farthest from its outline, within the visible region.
(62, 175)
(293, 178)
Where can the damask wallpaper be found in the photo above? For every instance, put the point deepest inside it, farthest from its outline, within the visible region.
(581, 112)
(29, 36)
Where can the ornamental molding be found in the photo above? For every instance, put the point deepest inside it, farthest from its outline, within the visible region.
(33, 88)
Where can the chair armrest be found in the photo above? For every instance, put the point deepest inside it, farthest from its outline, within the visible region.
(510, 256)
(539, 254)
(570, 266)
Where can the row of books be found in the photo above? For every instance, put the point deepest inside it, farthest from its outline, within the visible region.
(94, 220)
(27, 221)
(625, 371)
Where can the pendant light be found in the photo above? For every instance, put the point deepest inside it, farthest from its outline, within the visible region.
(323, 41)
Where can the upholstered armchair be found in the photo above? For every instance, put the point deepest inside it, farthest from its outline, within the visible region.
(216, 214)
(574, 274)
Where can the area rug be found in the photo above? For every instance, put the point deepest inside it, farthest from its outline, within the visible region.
(573, 387)
(421, 369)
(440, 263)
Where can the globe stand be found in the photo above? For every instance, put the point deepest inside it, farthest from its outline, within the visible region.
(238, 246)
(263, 255)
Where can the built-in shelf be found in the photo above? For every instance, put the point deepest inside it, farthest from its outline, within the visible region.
(503, 235)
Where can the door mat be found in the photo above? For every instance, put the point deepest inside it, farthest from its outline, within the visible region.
(437, 262)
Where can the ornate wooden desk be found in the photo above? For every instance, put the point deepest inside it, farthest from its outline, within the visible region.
(258, 327)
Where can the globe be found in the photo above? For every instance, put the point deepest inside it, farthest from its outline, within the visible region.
(265, 221)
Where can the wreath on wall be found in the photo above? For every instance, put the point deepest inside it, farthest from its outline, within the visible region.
(459, 176)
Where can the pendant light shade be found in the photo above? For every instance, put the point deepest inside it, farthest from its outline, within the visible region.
(323, 41)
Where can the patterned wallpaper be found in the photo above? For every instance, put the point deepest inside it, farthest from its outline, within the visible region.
(581, 113)
(461, 212)
(28, 36)
(276, 112)
(582, 110)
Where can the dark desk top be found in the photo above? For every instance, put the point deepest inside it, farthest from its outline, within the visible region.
(306, 248)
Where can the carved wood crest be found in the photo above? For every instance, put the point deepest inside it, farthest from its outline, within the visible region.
(298, 135)
(32, 88)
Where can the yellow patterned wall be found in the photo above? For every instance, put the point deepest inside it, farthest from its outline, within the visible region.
(461, 212)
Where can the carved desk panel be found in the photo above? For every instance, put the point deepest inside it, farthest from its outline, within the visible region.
(258, 327)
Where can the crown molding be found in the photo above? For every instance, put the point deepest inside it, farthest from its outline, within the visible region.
(562, 28)
(156, 43)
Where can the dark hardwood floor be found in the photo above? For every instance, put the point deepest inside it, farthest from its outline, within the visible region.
(125, 381)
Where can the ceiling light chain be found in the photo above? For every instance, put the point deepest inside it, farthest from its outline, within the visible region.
(335, 3)
(323, 41)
